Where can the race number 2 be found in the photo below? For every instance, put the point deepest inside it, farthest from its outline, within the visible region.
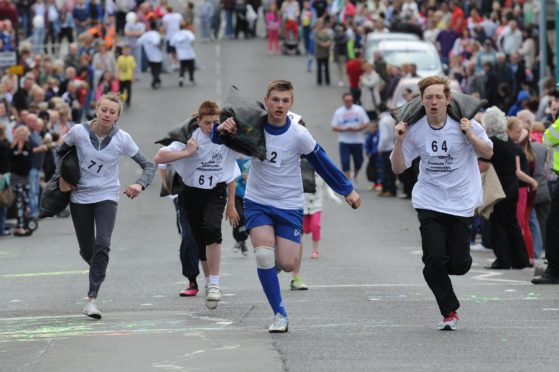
(274, 157)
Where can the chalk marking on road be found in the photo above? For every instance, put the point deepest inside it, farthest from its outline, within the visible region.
(488, 275)
(550, 309)
(52, 273)
(218, 71)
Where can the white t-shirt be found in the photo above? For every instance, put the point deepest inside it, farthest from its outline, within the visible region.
(449, 178)
(208, 166)
(172, 23)
(151, 41)
(182, 41)
(276, 181)
(352, 117)
(98, 168)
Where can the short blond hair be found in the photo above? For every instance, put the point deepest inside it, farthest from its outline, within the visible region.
(279, 85)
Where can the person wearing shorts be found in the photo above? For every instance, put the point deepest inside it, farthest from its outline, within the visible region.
(274, 194)
(350, 121)
(208, 172)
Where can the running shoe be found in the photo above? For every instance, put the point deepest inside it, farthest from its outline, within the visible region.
(298, 285)
(236, 247)
(244, 249)
(314, 254)
(280, 324)
(92, 311)
(213, 296)
(191, 290)
(449, 322)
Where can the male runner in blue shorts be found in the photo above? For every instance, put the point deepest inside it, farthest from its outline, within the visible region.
(274, 193)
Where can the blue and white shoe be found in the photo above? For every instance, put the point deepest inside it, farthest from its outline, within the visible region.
(280, 324)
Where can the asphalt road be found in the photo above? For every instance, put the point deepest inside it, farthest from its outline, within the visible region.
(368, 308)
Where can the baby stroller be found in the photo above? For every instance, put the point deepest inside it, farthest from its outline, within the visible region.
(291, 38)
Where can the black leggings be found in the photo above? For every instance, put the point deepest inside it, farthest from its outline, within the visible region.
(94, 225)
(187, 64)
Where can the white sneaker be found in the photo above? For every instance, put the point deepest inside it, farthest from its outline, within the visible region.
(280, 324)
(236, 247)
(449, 323)
(213, 296)
(92, 311)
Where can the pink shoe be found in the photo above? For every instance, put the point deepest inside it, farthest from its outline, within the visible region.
(314, 254)
(191, 291)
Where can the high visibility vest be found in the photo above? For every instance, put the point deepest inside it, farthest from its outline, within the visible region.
(551, 139)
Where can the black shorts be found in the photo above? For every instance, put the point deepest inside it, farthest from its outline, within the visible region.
(171, 49)
(204, 212)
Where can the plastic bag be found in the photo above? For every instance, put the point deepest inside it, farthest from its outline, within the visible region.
(461, 106)
(70, 166)
(53, 201)
(250, 116)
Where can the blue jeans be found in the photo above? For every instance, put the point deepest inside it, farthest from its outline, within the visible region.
(536, 233)
(34, 186)
(228, 23)
(348, 150)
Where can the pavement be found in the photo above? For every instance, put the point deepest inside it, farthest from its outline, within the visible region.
(367, 307)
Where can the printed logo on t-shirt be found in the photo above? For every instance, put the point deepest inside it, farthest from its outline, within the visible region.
(207, 175)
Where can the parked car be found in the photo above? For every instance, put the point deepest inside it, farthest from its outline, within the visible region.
(375, 38)
(423, 54)
(398, 98)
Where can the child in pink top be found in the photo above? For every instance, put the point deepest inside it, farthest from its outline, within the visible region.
(272, 20)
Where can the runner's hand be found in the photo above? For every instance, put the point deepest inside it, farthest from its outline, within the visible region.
(64, 186)
(133, 190)
(400, 130)
(353, 199)
(232, 216)
(228, 126)
(465, 125)
(191, 146)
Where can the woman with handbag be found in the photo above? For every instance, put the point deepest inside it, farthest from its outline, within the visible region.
(93, 202)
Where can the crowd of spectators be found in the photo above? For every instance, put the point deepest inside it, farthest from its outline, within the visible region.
(73, 51)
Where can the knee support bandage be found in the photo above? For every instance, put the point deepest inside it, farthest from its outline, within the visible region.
(265, 257)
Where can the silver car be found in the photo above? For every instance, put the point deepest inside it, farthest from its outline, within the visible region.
(423, 54)
(375, 38)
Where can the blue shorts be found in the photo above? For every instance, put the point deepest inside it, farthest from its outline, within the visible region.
(287, 223)
(354, 150)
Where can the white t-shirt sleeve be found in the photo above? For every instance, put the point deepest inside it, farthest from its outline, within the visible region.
(363, 117)
(306, 141)
(335, 119)
(175, 146)
(481, 133)
(70, 136)
(409, 149)
(129, 147)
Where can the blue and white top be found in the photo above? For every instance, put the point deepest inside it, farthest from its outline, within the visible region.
(276, 181)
